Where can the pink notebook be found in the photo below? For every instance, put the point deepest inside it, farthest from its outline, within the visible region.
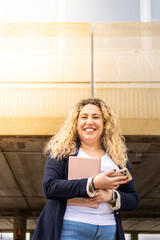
(83, 168)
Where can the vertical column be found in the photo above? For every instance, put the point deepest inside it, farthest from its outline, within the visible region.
(61, 11)
(19, 228)
(31, 234)
(92, 63)
(134, 236)
(145, 10)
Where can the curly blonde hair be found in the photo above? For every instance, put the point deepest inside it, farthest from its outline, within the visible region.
(64, 143)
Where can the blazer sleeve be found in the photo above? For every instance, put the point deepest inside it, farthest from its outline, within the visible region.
(128, 195)
(55, 184)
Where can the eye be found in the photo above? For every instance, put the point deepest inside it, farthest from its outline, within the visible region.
(96, 117)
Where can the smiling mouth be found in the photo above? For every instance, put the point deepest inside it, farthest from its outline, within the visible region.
(89, 129)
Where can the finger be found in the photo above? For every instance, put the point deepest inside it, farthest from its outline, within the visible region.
(121, 182)
(115, 186)
(89, 200)
(118, 179)
(108, 173)
(93, 201)
(92, 198)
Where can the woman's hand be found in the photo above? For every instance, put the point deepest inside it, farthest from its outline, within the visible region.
(101, 196)
(105, 181)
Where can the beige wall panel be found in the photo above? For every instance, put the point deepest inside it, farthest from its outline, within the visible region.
(132, 103)
(76, 68)
(156, 43)
(103, 43)
(40, 102)
(44, 29)
(24, 67)
(45, 44)
(130, 29)
(126, 73)
(21, 44)
(82, 43)
(137, 108)
(32, 52)
(140, 126)
(119, 67)
(155, 67)
(45, 68)
(38, 111)
(126, 52)
(37, 59)
(30, 126)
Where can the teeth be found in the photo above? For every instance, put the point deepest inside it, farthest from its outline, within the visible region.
(89, 129)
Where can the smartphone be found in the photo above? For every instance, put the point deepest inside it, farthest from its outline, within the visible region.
(122, 172)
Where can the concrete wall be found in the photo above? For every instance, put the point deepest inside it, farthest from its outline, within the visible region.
(47, 67)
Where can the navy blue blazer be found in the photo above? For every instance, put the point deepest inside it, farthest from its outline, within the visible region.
(58, 189)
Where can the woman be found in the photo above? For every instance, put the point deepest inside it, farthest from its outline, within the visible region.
(91, 130)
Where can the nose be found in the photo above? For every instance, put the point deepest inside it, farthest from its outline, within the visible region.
(89, 120)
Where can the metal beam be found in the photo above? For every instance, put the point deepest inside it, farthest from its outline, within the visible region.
(140, 214)
(149, 214)
(7, 213)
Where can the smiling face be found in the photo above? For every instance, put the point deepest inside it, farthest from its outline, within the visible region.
(90, 125)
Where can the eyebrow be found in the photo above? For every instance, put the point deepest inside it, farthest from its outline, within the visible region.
(92, 114)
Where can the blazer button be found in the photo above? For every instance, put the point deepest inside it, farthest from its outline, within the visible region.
(117, 213)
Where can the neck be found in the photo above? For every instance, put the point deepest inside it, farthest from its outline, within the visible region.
(92, 150)
(91, 147)
(94, 147)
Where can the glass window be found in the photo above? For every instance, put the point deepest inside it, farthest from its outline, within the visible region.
(148, 236)
(6, 236)
(127, 236)
(155, 12)
(9, 236)
(28, 11)
(102, 10)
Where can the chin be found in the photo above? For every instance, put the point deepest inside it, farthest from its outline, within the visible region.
(90, 141)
